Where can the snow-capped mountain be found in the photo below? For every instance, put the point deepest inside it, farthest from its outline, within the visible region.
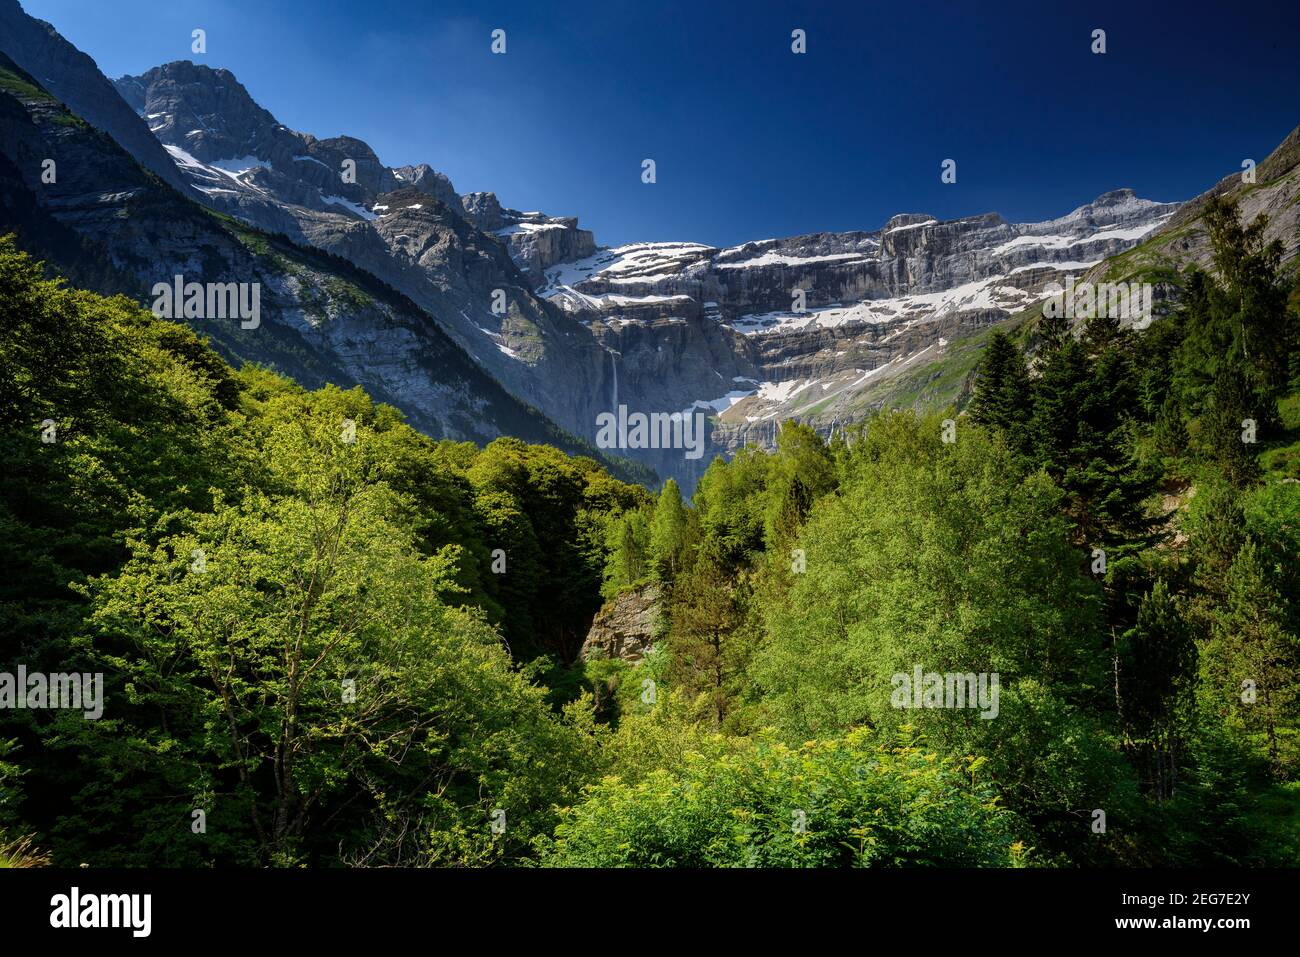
(459, 262)
(816, 321)
(117, 228)
(240, 157)
(824, 327)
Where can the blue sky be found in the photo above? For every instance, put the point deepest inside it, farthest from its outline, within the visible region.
(751, 140)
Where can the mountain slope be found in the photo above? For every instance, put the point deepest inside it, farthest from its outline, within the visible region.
(1183, 241)
(73, 77)
(405, 225)
(824, 328)
(656, 327)
(321, 319)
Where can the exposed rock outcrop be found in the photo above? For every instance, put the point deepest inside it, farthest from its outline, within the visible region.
(536, 241)
(405, 225)
(245, 161)
(1271, 189)
(656, 327)
(624, 628)
(801, 327)
(822, 328)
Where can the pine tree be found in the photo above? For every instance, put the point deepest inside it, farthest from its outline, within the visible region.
(1053, 330)
(1170, 432)
(705, 615)
(1082, 434)
(1002, 396)
(1248, 268)
(802, 470)
(1157, 680)
(1241, 340)
(1232, 425)
(1103, 332)
(629, 552)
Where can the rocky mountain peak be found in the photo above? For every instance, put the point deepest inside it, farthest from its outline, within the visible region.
(908, 219)
(1115, 197)
(413, 198)
(428, 180)
(245, 161)
(483, 210)
(1118, 208)
(536, 241)
(205, 111)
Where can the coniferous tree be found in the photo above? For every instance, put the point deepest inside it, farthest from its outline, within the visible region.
(705, 615)
(802, 470)
(1157, 679)
(1232, 426)
(1103, 332)
(1053, 330)
(629, 552)
(1170, 432)
(1002, 396)
(1255, 300)
(1082, 433)
(1240, 339)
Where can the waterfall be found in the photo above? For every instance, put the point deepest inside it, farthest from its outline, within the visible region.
(613, 364)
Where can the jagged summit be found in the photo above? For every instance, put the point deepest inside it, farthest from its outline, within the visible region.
(207, 111)
(206, 118)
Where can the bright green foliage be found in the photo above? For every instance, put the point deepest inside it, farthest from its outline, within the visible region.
(668, 533)
(801, 472)
(294, 657)
(628, 543)
(222, 549)
(839, 802)
(331, 641)
(730, 501)
(946, 558)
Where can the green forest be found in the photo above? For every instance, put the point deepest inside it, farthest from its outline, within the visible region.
(327, 640)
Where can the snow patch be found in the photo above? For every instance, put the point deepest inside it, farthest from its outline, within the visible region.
(350, 206)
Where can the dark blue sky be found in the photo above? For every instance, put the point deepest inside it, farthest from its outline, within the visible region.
(751, 140)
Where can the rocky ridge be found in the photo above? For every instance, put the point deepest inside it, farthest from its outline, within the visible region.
(536, 241)
(657, 327)
(405, 225)
(72, 77)
(891, 316)
(321, 320)
(875, 305)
